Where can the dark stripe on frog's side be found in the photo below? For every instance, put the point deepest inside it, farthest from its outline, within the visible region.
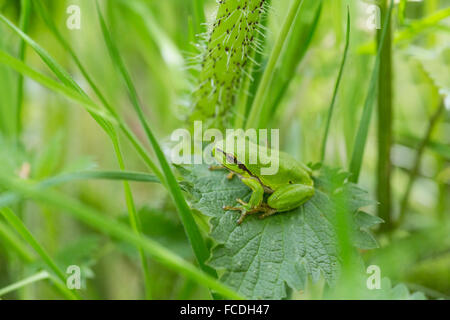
(232, 158)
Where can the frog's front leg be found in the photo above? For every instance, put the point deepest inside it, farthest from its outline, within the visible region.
(255, 202)
(220, 167)
(288, 198)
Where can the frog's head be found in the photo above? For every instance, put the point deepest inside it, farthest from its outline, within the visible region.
(228, 158)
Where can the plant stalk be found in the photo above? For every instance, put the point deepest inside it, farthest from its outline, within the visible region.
(385, 99)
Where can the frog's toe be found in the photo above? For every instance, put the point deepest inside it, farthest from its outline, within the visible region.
(230, 175)
(230, 208)
(268, 213)
(245, 204)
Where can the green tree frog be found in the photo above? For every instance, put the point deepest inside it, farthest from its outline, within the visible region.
(290, 187)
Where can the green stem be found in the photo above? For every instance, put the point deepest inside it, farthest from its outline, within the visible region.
(336, 89)
(401, 11)
(385, 98)
(418, 160)
(25, 282)
(363, 129)
(134, 221)
(126, 130)
(15, 243)
(256, 111)
(196, 240)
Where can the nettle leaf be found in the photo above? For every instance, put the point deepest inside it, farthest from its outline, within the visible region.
(259, 257)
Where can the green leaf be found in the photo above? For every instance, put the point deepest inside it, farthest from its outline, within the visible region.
(398, 292)
(259, 257)
(365, 220)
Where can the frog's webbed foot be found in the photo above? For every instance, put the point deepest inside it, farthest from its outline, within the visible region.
(230, 175)
(246, 210)
(216, 167)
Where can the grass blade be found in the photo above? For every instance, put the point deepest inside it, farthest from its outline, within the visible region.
(298, 44)
(109, 129)
(418, 160)
(411, 31)
(401, 12)
(53, 85)
(336, 88)
(25, 12)
(197, 242)
(78, 95)
(134, 221)
(115, 229)
(45, 56)
(43, 275)
(384, 123)
(17, 224)
(256, 111)
(8, 199)
(102, 175)
(128, 133)
(50, 24)
(198, 14)
(363, 130)
(25, 282)
(87, 103)
(9, 238)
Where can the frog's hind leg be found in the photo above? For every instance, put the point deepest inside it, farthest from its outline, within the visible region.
(290, 197)
(268, 211)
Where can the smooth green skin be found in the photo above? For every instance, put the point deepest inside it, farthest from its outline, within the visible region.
(290, 187)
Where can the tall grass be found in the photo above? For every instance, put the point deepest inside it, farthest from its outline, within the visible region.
(336, 89)
(71, 89)
(190, 225)
(146, 63)
(24, 23)
(108, 226)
